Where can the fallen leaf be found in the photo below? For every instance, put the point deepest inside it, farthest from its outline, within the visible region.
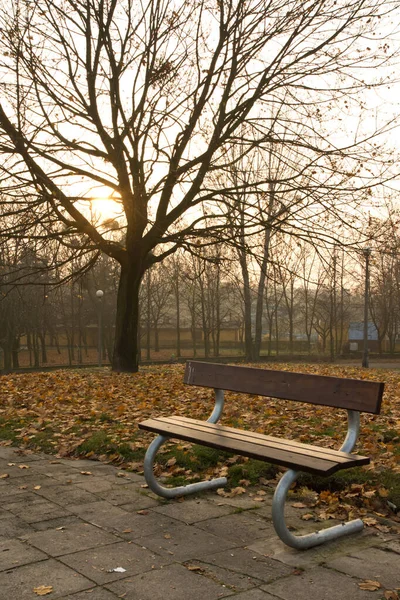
(142, 512)
(37, 487)
(391, 595)
(369, 585)
(4, 476)
(307, 517)
(23, 467)
(43, 590)
(194, 568)
(86, 473)
(299, 505)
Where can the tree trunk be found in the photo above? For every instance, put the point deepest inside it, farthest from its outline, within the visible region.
(126, 347)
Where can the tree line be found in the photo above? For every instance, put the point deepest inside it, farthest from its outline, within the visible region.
(306, 299)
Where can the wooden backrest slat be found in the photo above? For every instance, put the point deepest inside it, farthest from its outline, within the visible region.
(350, 394)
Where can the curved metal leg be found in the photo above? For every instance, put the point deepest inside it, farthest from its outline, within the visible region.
(183, 490)
(312, 539)
(191, 488)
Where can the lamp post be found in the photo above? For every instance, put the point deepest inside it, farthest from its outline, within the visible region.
(99, 296)
(367, 254)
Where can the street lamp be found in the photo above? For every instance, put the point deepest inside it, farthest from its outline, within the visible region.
(99, 296)
(367, 254)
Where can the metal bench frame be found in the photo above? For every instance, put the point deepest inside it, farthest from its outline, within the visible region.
(278, 504)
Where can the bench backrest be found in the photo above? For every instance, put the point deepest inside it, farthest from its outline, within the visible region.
(350, 394)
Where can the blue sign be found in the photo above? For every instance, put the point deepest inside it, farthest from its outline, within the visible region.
(356, 331)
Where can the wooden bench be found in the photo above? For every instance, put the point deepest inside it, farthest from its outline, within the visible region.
(353, 395)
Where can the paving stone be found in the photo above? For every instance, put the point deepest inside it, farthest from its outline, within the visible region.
(14, 553)
(34, 479)
(132, 525)
(40, 511)
(273, 547)
(183, 542)
(394, 546)
(245, 501)
(57, 542)
(236, 582)
(242, 529)
(4, 513)
(18, 471)
(64, 521)
(321, 584)
(98, 513)
(242, 560)
(95, 484)
(193, 510)
(173, 582)
(128, 494)
(96, 593)
(19, 583)
(12, 527)
(97, 563)
(67, 494)
(9, 493)
(379, 565)
(256, 595)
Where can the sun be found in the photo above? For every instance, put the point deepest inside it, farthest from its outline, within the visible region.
(102, 207)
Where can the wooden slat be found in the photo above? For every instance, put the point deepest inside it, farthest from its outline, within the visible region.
(226, 438)
(260, 439)
(352, 394)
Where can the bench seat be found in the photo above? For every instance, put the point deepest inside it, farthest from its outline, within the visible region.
(287, 453)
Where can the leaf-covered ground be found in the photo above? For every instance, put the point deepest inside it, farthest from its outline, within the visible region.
(94, 413)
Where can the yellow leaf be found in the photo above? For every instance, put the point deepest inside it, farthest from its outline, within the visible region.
(43, 590)
(369, 585)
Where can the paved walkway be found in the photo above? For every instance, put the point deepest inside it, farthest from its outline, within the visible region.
(83, 530)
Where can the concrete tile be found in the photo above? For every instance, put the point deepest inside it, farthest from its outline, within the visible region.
(34, 479)
(132, 525)
(99, 513)
(73, 538)
(242, 560)
(183, 542)
(255, 595)
(12, 527)
(38, 511)
(95, 485)
(128, 494)
(393, 545)
(193, 510)
(379, 565)
(241, 529)
(64, 521)
(173, 582)
(96, 593)
(19, 583)
(236, 582)
(98, 563)
(67, 494)
(273, 547)
(10, 491)
(14, 553)
(321, 584)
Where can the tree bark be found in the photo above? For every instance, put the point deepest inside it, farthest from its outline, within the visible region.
(126, 347)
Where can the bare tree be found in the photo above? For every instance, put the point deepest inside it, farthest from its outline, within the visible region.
(142, 99)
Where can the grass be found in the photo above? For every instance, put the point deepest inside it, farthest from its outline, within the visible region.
(101, 444)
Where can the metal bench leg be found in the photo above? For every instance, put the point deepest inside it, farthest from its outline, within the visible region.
(191, 488)
(312, 539)
(183, 490)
